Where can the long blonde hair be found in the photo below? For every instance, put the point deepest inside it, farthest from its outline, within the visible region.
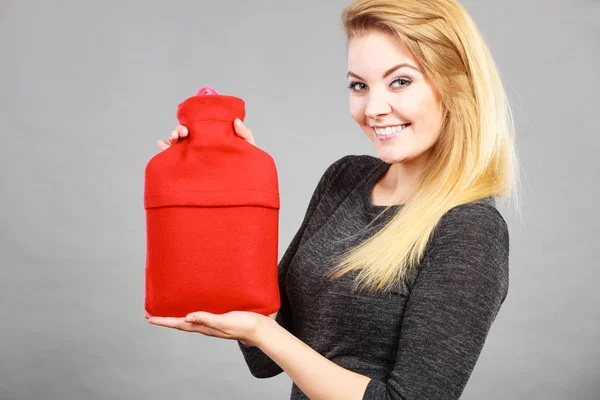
(475, 155)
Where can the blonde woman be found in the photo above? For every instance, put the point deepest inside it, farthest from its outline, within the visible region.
(400, 266)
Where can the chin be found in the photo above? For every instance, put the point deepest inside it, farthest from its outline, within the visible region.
(390, 156)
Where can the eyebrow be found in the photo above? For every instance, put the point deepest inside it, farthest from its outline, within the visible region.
(388, 72)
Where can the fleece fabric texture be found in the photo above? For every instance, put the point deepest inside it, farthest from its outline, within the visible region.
(419, 342)
(212, 215)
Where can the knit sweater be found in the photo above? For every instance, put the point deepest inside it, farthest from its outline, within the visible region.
(418, 342)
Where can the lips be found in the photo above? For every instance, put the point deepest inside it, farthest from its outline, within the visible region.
(390, 132)
(388, 126)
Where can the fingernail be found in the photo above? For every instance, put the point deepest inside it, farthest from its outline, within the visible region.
(190, 318)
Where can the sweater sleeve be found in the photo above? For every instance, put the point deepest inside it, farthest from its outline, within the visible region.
(260, 365)
(450, 310)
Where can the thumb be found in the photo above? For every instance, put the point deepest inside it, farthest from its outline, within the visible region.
(199, 317)
(242, 130)
(163, 145)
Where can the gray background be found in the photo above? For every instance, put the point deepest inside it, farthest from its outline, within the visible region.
(89, 87)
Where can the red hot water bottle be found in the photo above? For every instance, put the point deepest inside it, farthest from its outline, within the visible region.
(212, 217)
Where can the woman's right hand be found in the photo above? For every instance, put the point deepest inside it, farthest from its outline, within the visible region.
(179, 132)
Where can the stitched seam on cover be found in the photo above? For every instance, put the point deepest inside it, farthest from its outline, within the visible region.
(214, 191)
(210, 119)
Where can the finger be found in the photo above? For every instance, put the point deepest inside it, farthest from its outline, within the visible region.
(207, 319)
(163, 145)
(243, 131)
(169, 322)
(181, 325)
(210, 331)
(208, 324)
(174, 136)
(182, 130)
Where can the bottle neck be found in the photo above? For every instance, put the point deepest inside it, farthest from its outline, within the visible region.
(210, 132)
(209, 118)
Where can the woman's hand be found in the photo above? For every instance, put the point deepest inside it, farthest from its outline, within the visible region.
(272, 316)
(235, 325)
(181, 132)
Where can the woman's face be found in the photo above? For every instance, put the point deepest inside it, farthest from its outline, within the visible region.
(387, 90)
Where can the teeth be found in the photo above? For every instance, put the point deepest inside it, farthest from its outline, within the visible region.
(389, 130)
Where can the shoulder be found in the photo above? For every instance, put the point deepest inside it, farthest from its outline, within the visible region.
(350, 169)
(475, 221)
(472, 240)
(361, 162)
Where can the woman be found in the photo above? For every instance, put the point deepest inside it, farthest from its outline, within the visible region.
(391, 284)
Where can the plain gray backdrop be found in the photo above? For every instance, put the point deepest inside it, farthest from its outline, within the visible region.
(89, 87)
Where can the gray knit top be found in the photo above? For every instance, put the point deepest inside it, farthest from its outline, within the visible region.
(420, 341)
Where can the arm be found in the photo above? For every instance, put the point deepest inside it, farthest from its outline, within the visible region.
(451, 308)
(260, 365)
(317, 377)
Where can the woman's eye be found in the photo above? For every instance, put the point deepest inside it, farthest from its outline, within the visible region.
(405, 81)
(352, 86)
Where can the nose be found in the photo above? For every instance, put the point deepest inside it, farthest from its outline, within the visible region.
(376, 106)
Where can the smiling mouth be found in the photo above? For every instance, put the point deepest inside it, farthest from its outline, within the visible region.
(390, 130)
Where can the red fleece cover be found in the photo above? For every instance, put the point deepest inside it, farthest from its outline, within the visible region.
(212, 217)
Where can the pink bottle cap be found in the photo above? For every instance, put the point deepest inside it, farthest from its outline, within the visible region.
(206, 90)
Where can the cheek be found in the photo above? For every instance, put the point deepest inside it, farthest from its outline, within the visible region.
(434, 117)
(433, 105)
(357, 110)
(424, 111)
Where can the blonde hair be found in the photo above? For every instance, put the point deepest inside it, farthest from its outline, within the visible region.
(475, 155)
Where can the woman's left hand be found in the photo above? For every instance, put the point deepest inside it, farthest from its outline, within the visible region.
(234, 325)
